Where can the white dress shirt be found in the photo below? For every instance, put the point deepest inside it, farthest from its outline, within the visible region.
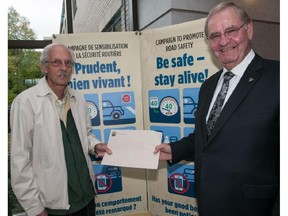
(238, 71)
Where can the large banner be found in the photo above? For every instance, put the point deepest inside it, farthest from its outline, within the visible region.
(143, 80)
(108, 73)
(175, 62)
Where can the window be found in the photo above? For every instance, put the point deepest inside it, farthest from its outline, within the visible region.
(115, 23)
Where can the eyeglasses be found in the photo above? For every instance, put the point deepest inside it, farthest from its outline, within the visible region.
(58, 63)
(231, 32)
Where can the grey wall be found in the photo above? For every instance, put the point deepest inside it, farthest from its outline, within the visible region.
(264, 13)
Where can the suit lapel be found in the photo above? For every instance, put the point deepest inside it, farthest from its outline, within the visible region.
(248, 80)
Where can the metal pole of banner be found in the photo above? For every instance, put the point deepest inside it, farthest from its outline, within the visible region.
(69, 16)
(28, 44)
(133, 15)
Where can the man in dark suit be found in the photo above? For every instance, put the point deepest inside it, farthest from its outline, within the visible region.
(237, 155)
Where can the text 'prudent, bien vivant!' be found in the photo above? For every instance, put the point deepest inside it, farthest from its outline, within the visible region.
(98, 81)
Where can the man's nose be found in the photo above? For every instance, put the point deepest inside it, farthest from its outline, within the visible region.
(224, 40)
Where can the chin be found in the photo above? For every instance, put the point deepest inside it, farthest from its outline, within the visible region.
(227, 59)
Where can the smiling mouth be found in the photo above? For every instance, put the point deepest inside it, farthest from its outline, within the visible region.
(226, 49)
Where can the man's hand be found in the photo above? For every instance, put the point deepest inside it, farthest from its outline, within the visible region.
(101, 148)
(43, 213)
(165, 151)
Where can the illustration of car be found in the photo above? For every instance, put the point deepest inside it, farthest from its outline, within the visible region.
(113, 171)
(109, 110)
(189, 105)
(189, 173)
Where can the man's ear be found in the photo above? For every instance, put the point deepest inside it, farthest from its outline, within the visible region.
(250, 31)
(43, 68)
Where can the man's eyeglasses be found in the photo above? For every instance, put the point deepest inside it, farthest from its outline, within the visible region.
(231, 32)
(58, 63)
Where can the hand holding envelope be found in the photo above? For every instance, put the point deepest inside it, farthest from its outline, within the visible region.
(133, 148)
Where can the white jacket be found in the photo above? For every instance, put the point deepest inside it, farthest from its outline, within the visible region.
(38, 167)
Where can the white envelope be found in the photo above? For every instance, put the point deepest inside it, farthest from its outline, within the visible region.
(133, 148)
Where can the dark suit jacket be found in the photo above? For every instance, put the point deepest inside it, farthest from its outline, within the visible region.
(237, 169)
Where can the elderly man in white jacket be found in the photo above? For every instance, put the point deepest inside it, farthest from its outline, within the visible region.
(50, 140)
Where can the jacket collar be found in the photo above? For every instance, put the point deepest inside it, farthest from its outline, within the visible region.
(43, 88)
(248, 80)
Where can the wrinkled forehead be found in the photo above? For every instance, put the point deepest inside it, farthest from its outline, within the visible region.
(60, 52)
(223, 19)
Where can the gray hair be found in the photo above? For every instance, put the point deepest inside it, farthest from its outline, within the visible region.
(47, 49)
(224, 5)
